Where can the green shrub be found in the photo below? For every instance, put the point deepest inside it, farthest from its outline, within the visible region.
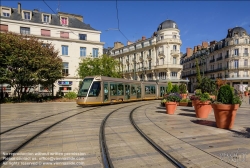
(175, 89)
(226, 95)
(70, 95)
(184, 100)
(169, 88)
(183, 88)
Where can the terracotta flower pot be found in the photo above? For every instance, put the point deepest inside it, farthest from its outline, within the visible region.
(225, 115)
(203, 109)
(246, 93)
(183, 104)
(184, 96)
(194, 102)
(170, 107)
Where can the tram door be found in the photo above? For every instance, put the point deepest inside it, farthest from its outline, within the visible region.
(106, 91)
(133, 92)
(162, 91)
(127, 92)
(138, 89)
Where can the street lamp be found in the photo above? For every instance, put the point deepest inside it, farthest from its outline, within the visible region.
(203, 55)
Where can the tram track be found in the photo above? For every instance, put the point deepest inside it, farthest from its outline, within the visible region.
(107, 162)
(22, 145)
(11, 129)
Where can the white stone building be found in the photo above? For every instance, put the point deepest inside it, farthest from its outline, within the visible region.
(227, 59)
(67, 32)
(155, 58)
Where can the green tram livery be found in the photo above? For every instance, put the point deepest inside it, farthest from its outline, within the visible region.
(98, 90)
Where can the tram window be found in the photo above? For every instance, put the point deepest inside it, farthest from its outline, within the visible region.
(120, 89)
(127, 89)
(133, 90)
(83, 91)
(152, 89)
(113, 89)
(95, 89)
(147, 89)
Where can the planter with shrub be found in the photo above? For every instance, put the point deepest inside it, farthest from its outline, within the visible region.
(183, 90)
(171, 102)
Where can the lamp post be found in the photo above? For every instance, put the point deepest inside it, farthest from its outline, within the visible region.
(204, 54)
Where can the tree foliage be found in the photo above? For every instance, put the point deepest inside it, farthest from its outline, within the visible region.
(169, 87)
(207, 86)
(198, 74)
(104, 65)
(26, 62)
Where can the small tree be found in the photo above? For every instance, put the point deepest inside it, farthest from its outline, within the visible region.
(175, 89)
(169, 88)
(183, 88)
(207, 86)
(198, 74)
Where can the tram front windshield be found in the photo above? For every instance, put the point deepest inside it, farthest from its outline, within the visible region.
(83, 90)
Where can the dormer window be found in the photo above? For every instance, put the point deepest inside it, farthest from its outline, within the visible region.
(26, 15)
(64, 21)
(46, 18)
(5, 12)
(236, 41)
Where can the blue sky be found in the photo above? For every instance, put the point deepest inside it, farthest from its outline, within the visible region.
(197, 20)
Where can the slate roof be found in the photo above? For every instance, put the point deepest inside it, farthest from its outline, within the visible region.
(55, 19)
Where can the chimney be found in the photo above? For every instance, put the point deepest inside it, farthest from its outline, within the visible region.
(195, 49)
(118, 45)
(19, 8)
(189, 52)
(212, 42)
(204, 44)
(35, 10)
(199, 47)
(129, 42)
(143, 38)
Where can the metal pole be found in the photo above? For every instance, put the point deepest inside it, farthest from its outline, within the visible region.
(203, 65)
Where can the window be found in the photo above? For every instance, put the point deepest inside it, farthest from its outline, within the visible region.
(162, 37)
(45, 32)
(236, 63)
(85, 87)
(95, 52)
(246, 41)
(236, 41)
(24, 30)
(174, 60)
(174, 36)
(46, 18)
(162, 75)
(3, 27)
(5, 12)
(246, 50)
(26, 15)
(64, 21)
(64, 34)
(149, 89)
(245, 62)
(236, 52)
(245, 74)
(82, 37)
(174, 47)
(65, 70)
(82, 51)
(173, 74)
(95, 89)
(64, 50)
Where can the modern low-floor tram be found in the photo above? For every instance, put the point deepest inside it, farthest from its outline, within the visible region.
(100, 90)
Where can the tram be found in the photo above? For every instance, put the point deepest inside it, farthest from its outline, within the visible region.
(100, 90)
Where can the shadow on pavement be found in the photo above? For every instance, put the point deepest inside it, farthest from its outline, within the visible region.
(161, 107)
(244, 134)
(161, 112)
(188, 110)
(188, 115)
(205, 122)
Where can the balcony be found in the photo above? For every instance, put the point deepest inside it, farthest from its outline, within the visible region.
(240, 67)
(176, 66)
(218, 59)
(161, 54)
(175, 52)
(213, 60)
(149, 57)
(245, 54)
(235, 76)
(245, 75)
(226, 56)
(127, 61)
(134, 60)
(141, 58)
(235, 55)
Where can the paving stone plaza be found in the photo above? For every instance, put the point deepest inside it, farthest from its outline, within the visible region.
(69, 136)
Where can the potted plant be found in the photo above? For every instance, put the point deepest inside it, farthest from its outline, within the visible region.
(171, 102)
(203, 106)
(183, 90)
(169, 88)
(225, 107)
(246, 92)
(208, 86)
(183, 102)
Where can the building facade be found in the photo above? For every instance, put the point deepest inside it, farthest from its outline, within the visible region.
(74, 39)
(155, 58)
(227, 59)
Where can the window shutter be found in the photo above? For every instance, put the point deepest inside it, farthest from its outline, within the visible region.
(3, 27)
(45, 32)
(64, 34)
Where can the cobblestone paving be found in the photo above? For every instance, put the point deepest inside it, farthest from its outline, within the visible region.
(126, 146)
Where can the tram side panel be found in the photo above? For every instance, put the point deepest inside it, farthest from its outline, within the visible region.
(150, 90)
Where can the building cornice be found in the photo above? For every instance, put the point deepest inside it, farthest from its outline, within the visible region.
(48, 26)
